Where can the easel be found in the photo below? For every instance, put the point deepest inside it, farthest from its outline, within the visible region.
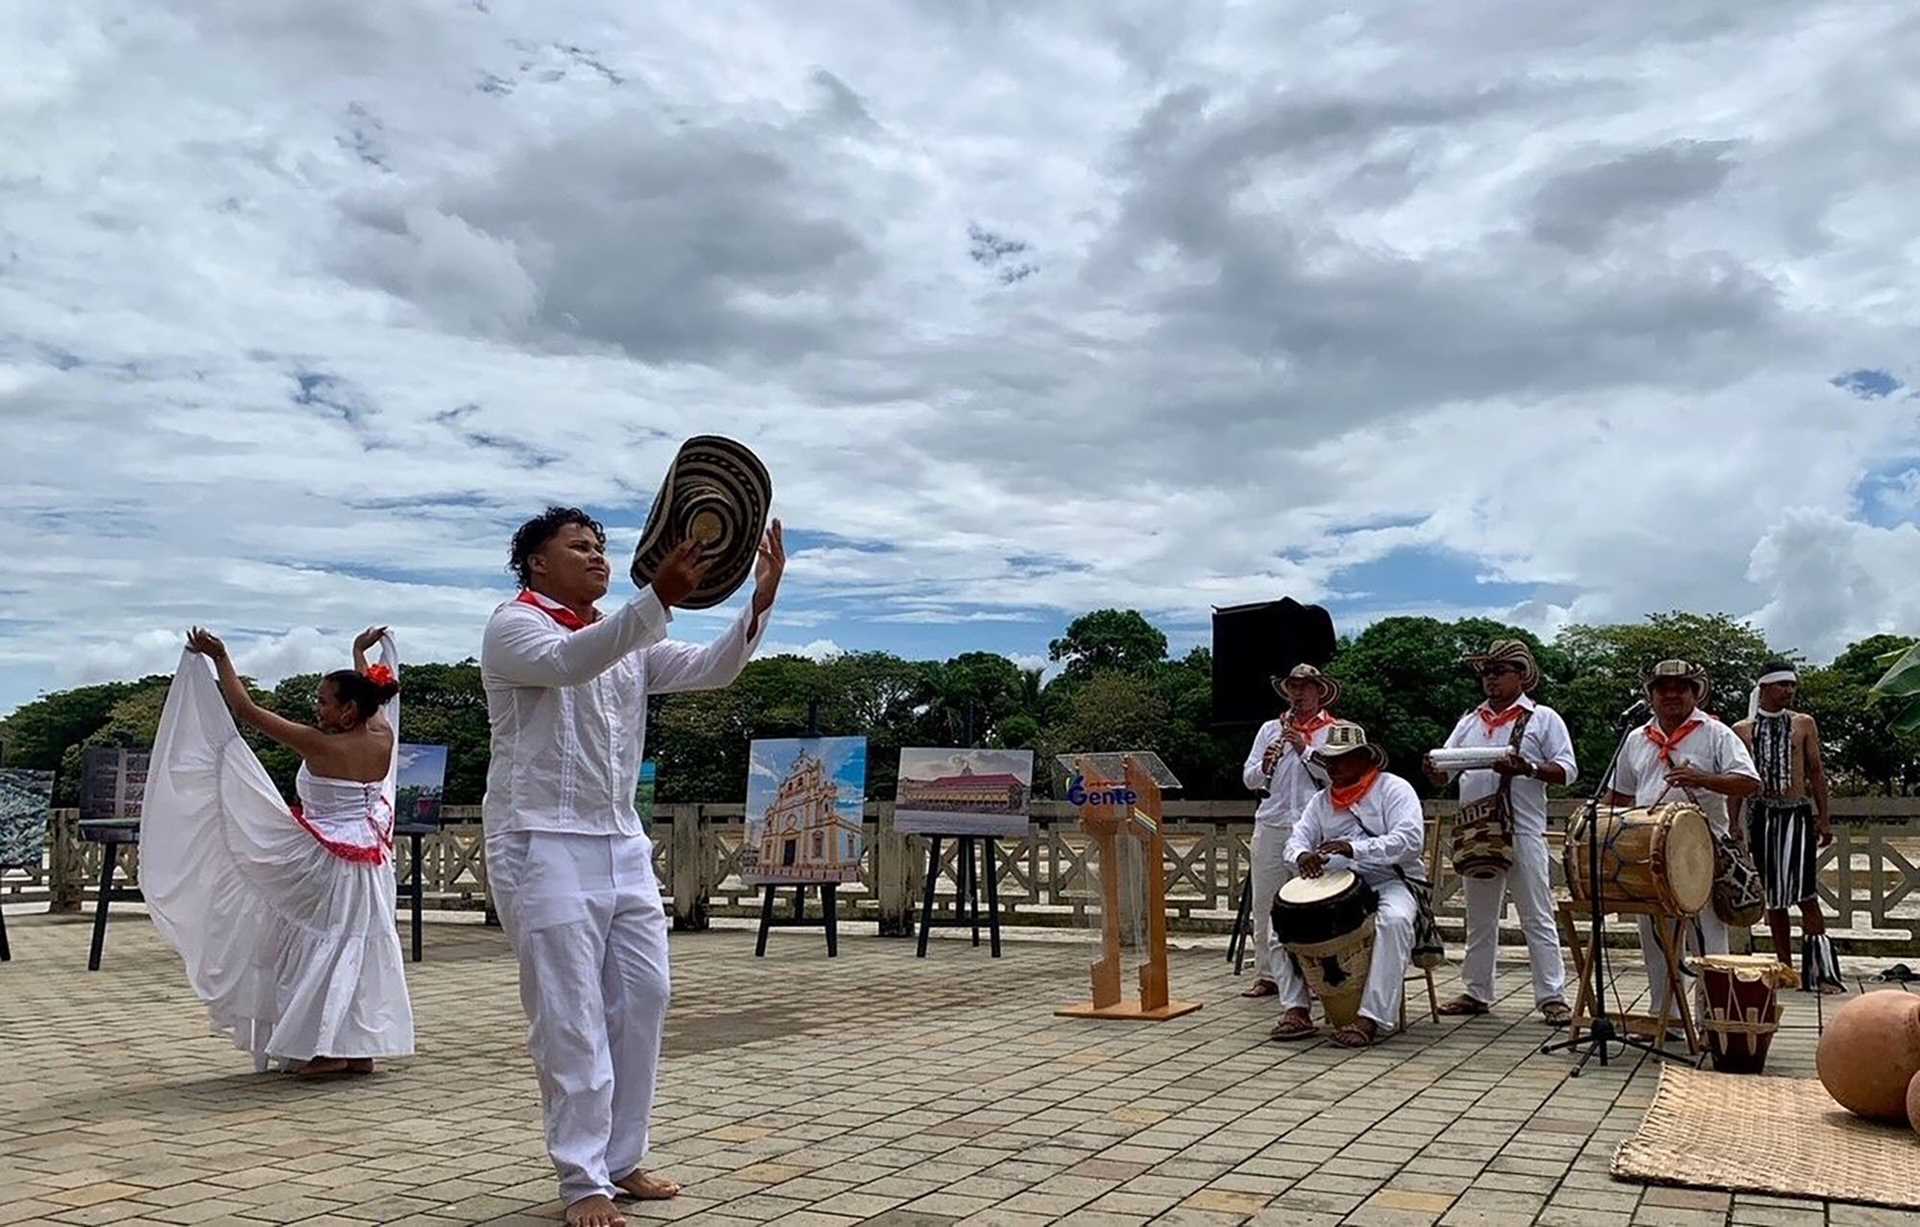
(966, 891)
(1668, 934)
(1129, 805)
(829, 891)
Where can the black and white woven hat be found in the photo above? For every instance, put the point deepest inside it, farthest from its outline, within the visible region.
(717, 493)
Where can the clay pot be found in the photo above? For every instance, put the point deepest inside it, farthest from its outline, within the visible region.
(1870, 1053)
(1913, 1103)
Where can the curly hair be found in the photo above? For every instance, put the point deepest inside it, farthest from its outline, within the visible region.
(366, 695)
(535, 533)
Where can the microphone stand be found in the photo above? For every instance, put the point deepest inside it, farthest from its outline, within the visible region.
(1600, 1029)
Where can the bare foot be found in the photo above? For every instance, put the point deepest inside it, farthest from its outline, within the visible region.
(595, 1211)
(360, 1065)
(322, 1067)
(648, 1187)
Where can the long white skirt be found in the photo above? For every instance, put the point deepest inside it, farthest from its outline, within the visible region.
(292, 947)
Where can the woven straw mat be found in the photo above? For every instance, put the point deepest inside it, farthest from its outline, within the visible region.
(1784, 1136)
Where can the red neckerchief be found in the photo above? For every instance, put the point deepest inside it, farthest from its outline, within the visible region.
(559, 613)
(1669, 743)
(1354, 794)
(1493, 722)
(1317, 721)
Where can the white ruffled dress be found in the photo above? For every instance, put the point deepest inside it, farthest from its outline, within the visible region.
(285, 919)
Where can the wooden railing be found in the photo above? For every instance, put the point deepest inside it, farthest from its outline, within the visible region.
(1869, 883)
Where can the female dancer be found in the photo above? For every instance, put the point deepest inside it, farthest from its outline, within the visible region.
(285, 917)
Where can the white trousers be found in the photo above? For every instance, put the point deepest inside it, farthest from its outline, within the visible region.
(1712, 936)
(1392, 954)
(1532, 892)
(584, 916)
(1271, 871)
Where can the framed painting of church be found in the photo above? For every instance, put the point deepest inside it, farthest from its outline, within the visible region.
(805, 801)
(963, 792)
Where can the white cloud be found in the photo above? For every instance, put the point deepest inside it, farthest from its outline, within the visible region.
(1029, 311)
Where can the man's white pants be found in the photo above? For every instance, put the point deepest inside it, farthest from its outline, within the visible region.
(1532, 892)
(1712, 935)
(1392, 954)
(584, 917)
(1271, 871)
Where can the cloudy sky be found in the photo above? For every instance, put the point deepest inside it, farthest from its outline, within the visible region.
(1545, 309)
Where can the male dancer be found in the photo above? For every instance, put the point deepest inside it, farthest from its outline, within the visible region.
(568, 861)
(1539, 753)
(1784, 822)
(1281, 765)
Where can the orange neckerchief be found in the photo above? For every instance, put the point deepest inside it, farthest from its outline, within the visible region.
(1669, 743)
(1317, 721)
(1502, 720)
(1354, 794)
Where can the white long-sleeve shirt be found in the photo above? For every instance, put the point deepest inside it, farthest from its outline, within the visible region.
(1386, 828)
(1711, 747)
(1546, 741)
(568, 709)
(1295, 778)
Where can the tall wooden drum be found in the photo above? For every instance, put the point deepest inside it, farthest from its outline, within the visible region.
(1326, 924)
(1660, 857)
(1743, 1007)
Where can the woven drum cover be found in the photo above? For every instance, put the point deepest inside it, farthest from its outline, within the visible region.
(1783, 1136)
(717, 493)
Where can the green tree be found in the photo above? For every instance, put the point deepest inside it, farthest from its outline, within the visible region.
(1110, 711)
(1609, 665)
(1402, 678)
(1865, 751)
(38, 734)
(1108, 639)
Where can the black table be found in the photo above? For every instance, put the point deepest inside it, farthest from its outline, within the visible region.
(110, 835)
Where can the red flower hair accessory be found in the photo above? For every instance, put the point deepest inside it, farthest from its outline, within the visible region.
(380, 675)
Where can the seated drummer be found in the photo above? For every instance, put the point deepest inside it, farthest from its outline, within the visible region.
(1682, 754)
(1370, 822)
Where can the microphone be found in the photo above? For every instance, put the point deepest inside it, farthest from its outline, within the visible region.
(1639, 706)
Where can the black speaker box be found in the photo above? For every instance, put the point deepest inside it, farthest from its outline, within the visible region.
(1253, 643)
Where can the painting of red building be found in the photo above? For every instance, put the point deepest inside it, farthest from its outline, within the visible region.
(963, 792)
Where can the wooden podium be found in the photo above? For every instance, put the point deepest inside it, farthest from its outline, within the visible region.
(1121, 809)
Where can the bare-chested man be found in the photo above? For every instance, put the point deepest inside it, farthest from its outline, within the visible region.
(1789, 821)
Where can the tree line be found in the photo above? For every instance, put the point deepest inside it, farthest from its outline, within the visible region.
(1116, 687)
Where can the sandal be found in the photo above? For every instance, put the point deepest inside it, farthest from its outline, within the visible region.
(1466, 1006)
(1352, 1036)
(1556, 1014)
(1262, 988)
(1295, 1024)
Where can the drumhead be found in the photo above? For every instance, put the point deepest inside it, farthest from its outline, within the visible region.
(1690, 858)
(1317, 890)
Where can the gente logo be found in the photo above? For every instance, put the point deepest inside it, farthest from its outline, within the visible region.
(1077, 794)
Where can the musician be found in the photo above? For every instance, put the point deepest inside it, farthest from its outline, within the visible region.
(1539, 753)
(1682, 753)
(1280, 766)
(1370, 822)
(1786, 819)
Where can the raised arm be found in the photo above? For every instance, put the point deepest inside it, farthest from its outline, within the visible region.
(675, 667)
(524, 647)
(302, 739)
(364, 640)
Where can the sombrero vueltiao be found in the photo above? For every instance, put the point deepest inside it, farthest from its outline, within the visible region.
(1346, 737)
(1302, 675)
(716, 493)
(1507, 652)
(1680, 670)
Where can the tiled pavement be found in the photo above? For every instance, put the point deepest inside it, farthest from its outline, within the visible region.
(873, 1088)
